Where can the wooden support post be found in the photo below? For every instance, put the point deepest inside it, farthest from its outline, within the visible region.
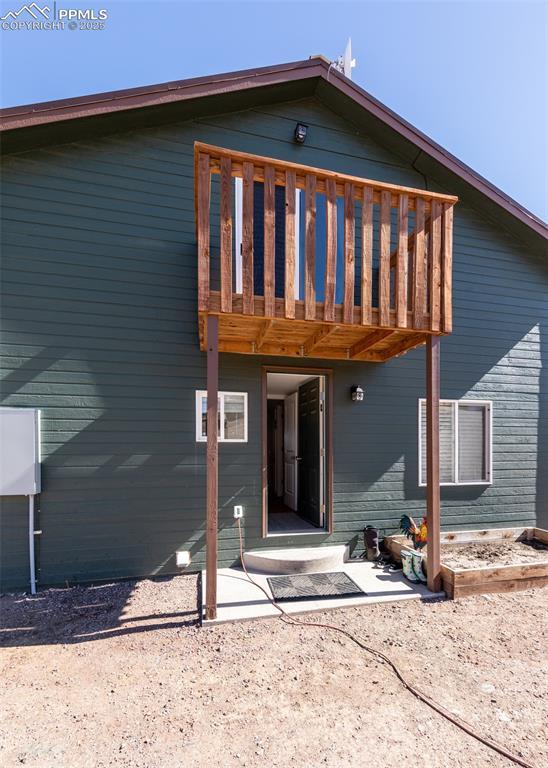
(310, 248)
(290, 204)
(226, 235)
(367, 254)
(349, 257)
(384, 260)
(269, 239)
(247, 238)
(433, 462)
(203, 205)
(402, 263)
(212, 465)
(330, 249)
(419, 291)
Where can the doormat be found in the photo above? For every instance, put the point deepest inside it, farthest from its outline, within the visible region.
(313, 586)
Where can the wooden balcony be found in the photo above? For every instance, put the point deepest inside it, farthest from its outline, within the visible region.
(349, 268)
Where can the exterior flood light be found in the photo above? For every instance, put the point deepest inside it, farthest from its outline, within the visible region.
(357, 393)
(300, 133)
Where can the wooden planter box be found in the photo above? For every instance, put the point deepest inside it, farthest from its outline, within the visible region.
(459, 582)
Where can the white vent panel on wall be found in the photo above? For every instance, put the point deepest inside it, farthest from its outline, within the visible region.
(19, 451)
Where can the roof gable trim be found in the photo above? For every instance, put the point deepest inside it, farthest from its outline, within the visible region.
(27, 116)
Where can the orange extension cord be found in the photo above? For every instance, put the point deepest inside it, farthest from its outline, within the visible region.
(439, 708)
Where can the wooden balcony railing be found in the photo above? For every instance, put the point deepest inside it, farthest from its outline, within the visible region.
(392, 274)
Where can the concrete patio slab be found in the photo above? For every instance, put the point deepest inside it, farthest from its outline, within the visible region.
(240, 600)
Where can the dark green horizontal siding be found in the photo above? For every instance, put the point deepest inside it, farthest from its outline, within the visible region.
(99, 330)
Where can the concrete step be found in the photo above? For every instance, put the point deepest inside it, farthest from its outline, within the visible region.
(298, 560)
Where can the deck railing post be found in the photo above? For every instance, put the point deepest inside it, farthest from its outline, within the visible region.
(293, 278)
(212, 465)
(203, 234)
(433, 461)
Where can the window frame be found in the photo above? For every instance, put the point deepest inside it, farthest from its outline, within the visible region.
(488, 442)
(200, 395)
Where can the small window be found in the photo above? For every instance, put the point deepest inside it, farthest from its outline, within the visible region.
(465, 442)
(232, 419)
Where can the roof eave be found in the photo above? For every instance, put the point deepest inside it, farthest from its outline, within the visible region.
(28, 116)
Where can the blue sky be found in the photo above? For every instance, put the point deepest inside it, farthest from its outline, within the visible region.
(472, 75)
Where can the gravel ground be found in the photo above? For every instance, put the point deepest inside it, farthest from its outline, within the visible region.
(122, 675)
(493, 553)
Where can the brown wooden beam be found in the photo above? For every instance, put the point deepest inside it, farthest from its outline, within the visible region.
(330, 249)
(316, 338)
(276, 349)
(367, 342)
(259, 161)
(265, 328)
(290, 202)
(269, 239)
(384, 260)
(434, 265)
(419, 264)
(367, 256)
(247, 238)
(310, 248)
(202, 331)
(349, 255)
(298, 311)
(226, 234)
(290, 350)
(204, 201)
(212, 465)
(433, 462)
(410, 244)
(401, 277)
(410, 341)
(447, 267)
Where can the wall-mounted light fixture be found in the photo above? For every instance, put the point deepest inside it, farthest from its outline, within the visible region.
(357, 393)
(300, 133)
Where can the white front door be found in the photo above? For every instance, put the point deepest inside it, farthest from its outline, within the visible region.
(290, 451)
(323, 472)
(278, 450)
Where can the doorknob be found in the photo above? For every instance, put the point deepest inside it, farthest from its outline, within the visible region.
(298, 458)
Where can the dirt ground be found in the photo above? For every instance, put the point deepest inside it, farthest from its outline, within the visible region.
(122, 675)
(493, 553)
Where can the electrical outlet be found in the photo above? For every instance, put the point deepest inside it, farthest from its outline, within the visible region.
(238, 512)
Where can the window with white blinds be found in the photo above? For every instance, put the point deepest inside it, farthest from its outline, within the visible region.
(465, 442)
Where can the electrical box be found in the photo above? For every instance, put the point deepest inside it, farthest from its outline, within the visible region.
(183, 558)
(19, 451)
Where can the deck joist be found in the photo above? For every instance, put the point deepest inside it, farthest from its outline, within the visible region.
(256, 335)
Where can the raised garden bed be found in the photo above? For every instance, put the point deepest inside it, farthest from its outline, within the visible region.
(492, 560)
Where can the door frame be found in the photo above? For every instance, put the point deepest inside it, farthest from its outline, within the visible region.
(328, 373)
